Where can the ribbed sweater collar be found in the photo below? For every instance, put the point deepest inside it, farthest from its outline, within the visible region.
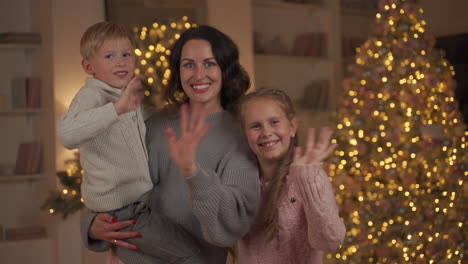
(104, 86)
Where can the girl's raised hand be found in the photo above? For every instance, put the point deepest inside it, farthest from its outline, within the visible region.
(315, 151)
(183, 150)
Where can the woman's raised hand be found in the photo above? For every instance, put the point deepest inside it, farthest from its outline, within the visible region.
(315, 151)
(105, 227)
(193, 128)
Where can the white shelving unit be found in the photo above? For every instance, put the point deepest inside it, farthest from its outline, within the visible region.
(283, 22)
(19, 178)
(355, 23)
(22, 195)
(38, 251)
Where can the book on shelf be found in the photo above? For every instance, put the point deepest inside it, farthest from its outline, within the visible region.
(25, 233)
(315, 95)
(25, 92)
(349, 45)
(29, 158)
(20, 38)
(311, 44)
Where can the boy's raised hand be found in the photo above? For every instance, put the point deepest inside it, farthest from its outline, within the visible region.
(131, 97)
(315, 151)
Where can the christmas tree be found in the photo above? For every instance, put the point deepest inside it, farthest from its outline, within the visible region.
(68, 200)
(401, 163)
(153, 47)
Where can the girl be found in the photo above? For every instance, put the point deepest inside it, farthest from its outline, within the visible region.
(298, 217)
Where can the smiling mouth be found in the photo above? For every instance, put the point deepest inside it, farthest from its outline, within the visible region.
(268, 144)
(200, 88)
(121, 74)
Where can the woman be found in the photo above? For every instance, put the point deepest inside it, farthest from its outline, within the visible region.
(298, 219)
(208, 185)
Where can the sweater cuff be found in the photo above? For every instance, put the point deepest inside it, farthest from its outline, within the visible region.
(88, 242)
(300, 172)
(201, 180)
(110, 108)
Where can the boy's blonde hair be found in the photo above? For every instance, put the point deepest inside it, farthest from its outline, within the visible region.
(94, 37)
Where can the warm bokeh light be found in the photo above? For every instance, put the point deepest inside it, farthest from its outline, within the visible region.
(153, 49)
(401, 162)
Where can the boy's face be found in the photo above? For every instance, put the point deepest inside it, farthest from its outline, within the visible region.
(113, 63)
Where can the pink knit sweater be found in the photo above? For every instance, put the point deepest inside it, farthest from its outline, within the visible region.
(308, 222)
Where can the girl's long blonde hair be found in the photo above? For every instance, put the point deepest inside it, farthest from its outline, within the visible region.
(276, 186)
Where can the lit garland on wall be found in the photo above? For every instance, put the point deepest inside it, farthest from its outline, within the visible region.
(401, 163)
(153, 48)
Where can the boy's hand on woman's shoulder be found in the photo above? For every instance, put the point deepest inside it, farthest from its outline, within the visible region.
(131, 97)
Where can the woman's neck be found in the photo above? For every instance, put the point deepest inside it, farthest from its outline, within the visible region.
(211, 108)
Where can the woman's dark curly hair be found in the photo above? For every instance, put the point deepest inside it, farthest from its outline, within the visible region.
(235, 80)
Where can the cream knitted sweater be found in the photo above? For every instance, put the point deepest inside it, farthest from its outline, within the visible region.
(112, 150)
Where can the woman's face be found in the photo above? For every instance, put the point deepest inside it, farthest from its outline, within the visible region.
(268, 129)
(200, 74)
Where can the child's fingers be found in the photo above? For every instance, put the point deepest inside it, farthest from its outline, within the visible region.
(325, 136)
(297, 154)
(310, 142)
(330, 150)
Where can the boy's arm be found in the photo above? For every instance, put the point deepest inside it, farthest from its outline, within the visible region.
(85, 119)
(88, 117)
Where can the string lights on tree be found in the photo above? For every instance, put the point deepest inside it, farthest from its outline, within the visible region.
(401, 163)
(68, 200)
(153, 48)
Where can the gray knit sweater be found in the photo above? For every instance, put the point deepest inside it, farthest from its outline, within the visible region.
(217, 205)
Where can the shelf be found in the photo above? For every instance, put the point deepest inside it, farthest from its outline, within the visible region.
(19, 46)
(26, 251)
(287, 5)
(18, 178)
(21, 111)
(290, 58)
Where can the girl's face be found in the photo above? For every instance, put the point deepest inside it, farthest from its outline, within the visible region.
(268, 129)
(113, 63)
(200, 74)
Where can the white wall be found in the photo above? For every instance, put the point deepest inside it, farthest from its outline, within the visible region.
(446, 17)
(235, 19)
(70, 19)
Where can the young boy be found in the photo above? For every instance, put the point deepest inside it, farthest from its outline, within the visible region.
(106, 123)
